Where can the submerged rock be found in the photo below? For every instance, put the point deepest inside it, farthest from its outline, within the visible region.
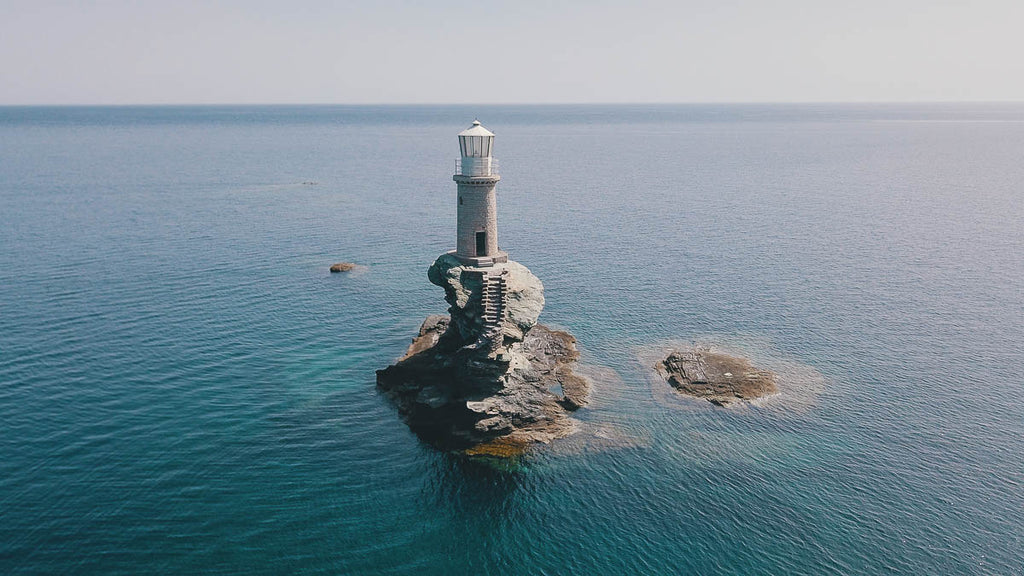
(486, 387)
(718, 378)
(342, 267)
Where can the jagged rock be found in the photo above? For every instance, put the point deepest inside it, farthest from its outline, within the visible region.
(463, 288)
(575, 390)
(342, 267)
(497, 424)
(718, 378)
(496, 400)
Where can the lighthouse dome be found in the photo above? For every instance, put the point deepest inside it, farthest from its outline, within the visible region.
(476, 141)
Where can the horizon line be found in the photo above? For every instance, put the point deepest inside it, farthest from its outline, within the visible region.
(426, 104)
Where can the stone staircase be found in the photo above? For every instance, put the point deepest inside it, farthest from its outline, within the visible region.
(495, 302)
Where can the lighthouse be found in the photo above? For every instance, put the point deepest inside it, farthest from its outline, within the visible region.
(476, 175)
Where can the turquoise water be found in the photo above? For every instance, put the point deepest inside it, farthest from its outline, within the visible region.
(184, 388)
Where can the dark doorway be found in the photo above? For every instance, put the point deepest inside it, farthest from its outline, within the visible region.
(481, 243)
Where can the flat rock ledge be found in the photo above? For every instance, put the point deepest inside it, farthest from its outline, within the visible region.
(718, 378)
(499, 404)
(342, 267)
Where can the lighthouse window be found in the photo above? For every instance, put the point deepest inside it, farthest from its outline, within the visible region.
(460, 200)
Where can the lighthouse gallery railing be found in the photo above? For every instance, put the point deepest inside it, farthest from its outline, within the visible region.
(477, 168)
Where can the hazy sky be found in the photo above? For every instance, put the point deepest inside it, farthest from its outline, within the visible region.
(432, 51)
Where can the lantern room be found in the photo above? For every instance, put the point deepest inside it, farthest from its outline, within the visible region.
(476, 144)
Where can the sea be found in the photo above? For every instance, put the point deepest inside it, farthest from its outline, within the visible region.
(186, 389)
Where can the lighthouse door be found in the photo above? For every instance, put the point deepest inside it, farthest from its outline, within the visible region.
(481, 243)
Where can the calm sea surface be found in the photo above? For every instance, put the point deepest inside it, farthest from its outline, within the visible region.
(184, 388)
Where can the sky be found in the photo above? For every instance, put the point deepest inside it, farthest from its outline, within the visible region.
(519, 51)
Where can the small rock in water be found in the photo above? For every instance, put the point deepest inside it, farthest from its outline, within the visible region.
(710, 375)
(342, 267)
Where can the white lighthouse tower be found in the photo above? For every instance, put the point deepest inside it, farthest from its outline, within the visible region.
(476, 175)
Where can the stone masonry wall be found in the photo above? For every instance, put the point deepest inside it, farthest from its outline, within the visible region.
(478, 211)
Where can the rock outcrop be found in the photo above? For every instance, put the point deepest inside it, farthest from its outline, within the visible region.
(342, 267)
(463, 290)
(718, 378)
(487, 380)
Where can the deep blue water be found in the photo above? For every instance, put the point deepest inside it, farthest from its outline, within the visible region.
(184, 388)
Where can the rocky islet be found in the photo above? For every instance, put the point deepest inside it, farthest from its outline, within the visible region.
(485, 386)
(342, 267)
(719, 378)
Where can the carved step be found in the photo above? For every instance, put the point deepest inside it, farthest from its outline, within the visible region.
(494, 301)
